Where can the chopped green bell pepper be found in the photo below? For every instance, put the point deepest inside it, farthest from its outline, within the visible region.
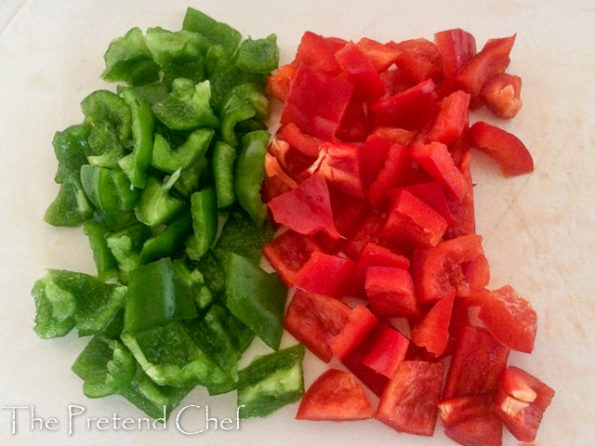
(126, 246)
(106, 263)
(271, 381)
(70, 207)
(104, 148)
(258, 56)
(216, 33)
(223, 162)
(70, 148)
(203, 205)
(169, 160)
(168, 241)
(128, 59)
(156, 205)
(103, 106)
(256, 298)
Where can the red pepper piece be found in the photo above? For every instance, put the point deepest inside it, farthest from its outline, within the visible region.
(324, 274)
(374, 381)
(506, 149)
(391, 292)
(361, 322)
(476, 365)
(338, 163)
(463, 213)
(431, 193)
(393, 134)
(502, 95)
(409, 401)
(291, 160)
(314, 319)
(367, 232)
(306, 144)
(521, 401)
(389, 175)
(436, 160)
(318, 54)
(360, 72)
(355, 125)
(452, 118)
(395, 81)
(278, 83)
(432, 331)
(387, 350)
(375, 255)
(288, 253)
(379, 54)
(316, 102)
(335, 396)
(276, 181)
(419, 60)
(490, 61)
(412, 220)
(456, 47)
(305, 209)
(408, 109)
(509, 318)
(373, 154)
(438, 271)
(471, 420)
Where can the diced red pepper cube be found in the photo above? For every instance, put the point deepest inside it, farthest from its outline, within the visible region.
(360, 72)
(431, 331)
(431, 193)
(290, 159)
(476, 365)
(316, 102)
(387, 350)
(303, 142)
(314, 319)
(305, 209)
(379, 54)
(419, 59)
(389, 175)
(502, 95)
(338, 163)
(391, 292)
(409, 401)
(436, 160)
(355, 124)
(452, 118)
(456, 47)
(463, 212)
(276, 181)
(278, 83)
(521, 402)
(505, 148)
(325, 274)
(412, 220)
(396, 135)
(288, 253)
(375, 255)
(318, 54)
(367, 232)
(361, 322)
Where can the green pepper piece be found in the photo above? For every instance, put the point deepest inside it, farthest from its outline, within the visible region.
(250, 174)
(152, 93)
(258, 56)
(106, 263)
(169, 356)
(135, 164)
(242, 236)
(187, 107)
(256, 298)
(128, 59)
(192, 177)
(104, 148)
(156, 401)
(242, 103)
(110, 192)
(167, 242)
(156, 206)
(180, 54)
(169, 160)
(216, 33)
(103, 106)
(223, 161)
(213, 271)
(70, 207)
(203, 205)
(105, 366)
(70, 148)
(190, 286)
(64, 299)
(126, 246)
(271, 381)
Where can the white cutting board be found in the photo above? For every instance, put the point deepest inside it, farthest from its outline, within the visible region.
(539, 229)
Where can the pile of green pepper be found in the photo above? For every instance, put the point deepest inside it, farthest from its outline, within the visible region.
(165, 176)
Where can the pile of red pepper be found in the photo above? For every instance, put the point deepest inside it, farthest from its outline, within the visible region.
(369, 178)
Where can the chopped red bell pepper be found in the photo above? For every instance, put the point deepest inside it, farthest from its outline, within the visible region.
(288, 253)
(394, 134)
(361, 322)
(452, 118)
(463, 212)
(506, 149)
(306, 209)
(374, 255)
(381, 55)
(411, 220)
(373, 154)
(431, 193)
(291, 160)
(391, 292)
(355, 124)
(360, 72)
(471, 420)
(325, 274)
(303, 142)
(521, 401)
(387, 350)
(431, 331)
(456, 47)
(476, 365)
(335, 396)
(436, 160)
(374, 381)
(389, 175)
(338, 163)
(419, 59)
(509, 318)
(502, 95)
(276, 181)
(318, 54)
(316, 102)
(314, 319)
(366, 232)
(409, 401)
(278, 83)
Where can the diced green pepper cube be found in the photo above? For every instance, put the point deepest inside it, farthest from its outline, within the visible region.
(223, 162)
(156, 205)
(55, 309)
(70, 207)
(103, 106)
(70, 148)
(216, 33)
(169, 160)
(104, 148)
(168, 241)
(106, 263)
(258, 56)
(126, 246)
(270, 382)
(203, 205)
